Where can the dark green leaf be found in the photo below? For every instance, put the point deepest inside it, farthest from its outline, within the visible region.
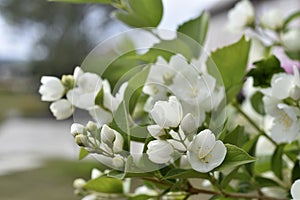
(82, 153)
(105, 185)
(196, 28)
(265, 182)
(236, 137)
(141, 13)
(231, 62)
(84, 1)
(182, 173)
(225, 182)
(257, 102)
(277, 162)
(296, 172)
(235, 157)
(264, 70)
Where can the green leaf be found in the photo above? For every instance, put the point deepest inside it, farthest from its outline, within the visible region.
(105, 185)
(141, 13)
(235, 157)
(231, 62)
(264, 70)
(295, 55)
(83, 153)
(263, 164)
(183, 174)
(277, 162)
(134, 88)
(84, 1)
(141, 197)
(265, 182)
(296, 172)
(236, 137)
(257, 102)
(197, 30)
(290, 18)
(167, 48)
(225, 182)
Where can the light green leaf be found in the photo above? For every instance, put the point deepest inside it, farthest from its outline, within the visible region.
(235, 157)
(236, 137)
(182, 173)
(277, 162)
(263, 164)
(196, 28)
(84, 1)
(257, 102)
(105, 185)
(141, 13)
(290, 18)
(134, 88)
(231, 62)
(83, 153)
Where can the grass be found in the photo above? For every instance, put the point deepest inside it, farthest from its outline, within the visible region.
(22, 103)
(51, 182)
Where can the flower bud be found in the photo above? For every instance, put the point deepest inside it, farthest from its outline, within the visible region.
(291, 39)
(81, 140)
(79, 183)
(91, 126)
(77, 129)
(118, 161)
(96, 173)
(61, 109)
(107, 135)
(68, 81)
(272, 20)
(188, 124)
(77, 73)
(156, 131)
(160, 151)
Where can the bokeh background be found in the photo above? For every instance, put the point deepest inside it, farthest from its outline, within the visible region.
(38, 158)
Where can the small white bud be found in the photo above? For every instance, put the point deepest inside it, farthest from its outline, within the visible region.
(91, 126)
(77, 129)
(107, 135)
(79, 183)
(118, 161)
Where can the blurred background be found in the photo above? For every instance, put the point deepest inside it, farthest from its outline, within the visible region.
(38, 158)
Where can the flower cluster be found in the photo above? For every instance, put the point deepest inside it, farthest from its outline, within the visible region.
(282, 104)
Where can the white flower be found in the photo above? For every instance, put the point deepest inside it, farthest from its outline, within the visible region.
(179, 141)
(189, 124)
(77, 73)
(241, 15)
(295, 190)
(100, 115)
(272, 19)
(205, 153)
(291, 39)
(167, 113)
(112, 102)
(285, 85)
(77, 129)
(84, 95)
(145, 190)
(61, 109)
(160, 151)
(112, 138)
(156, 131)
(51, 89)
(285, 126)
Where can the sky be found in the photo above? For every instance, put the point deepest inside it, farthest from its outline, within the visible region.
(17, 45)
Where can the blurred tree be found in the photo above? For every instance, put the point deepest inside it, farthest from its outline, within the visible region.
(63, 33)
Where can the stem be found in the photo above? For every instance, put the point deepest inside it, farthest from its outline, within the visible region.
(261, 132)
